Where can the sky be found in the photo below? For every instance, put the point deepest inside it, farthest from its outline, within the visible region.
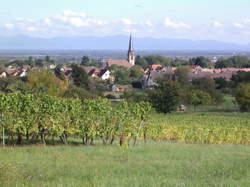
(225, 20)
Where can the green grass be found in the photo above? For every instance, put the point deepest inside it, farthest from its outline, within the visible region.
(154, 164)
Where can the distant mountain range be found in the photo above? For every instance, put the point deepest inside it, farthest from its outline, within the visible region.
(114, 42)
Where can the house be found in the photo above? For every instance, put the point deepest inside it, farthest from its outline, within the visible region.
(155, 67)
(3, 74)
(52, 66)
(105, 74)
(92, 71)
(23, 73)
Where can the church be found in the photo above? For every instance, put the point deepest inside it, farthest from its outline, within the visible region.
(128, 63)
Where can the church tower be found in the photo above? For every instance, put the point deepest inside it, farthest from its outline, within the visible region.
(131, 52)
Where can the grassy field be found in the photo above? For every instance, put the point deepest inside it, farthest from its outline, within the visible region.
(154, 164)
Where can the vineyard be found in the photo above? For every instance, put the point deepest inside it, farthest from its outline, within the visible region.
(45, 118)
(201, 128)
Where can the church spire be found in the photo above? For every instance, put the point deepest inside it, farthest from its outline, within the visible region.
(130, 48)
(131, 52)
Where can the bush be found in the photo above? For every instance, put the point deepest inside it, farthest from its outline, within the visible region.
(243, 97)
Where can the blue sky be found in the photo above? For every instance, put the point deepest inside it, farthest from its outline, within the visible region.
(227, 20)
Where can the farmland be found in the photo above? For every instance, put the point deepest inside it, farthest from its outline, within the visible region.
(223, 128)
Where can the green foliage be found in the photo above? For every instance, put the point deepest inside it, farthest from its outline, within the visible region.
(199, 97)
(85, 60)
(165, 98)
(29, 115)
(243, 97)
(156, 59)
(235, 61)
(136, 96)
(208, 85)
(200, 61)
(241, 77)
(135, 72)
(181, 74)
(80, 77)
(121, 75)
(203, 128)
(77, 92)
(13, 84)
(45, 82)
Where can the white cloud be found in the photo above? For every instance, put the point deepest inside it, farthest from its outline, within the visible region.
(129, 30)
(30, 29)
(77, 22)
(126, 21)
(47, 21)
(178, 25)
(70, 23)
(217, 24)
(247, 21)
(9, 26)
(77, 19)
(149, 23)
(238, 25)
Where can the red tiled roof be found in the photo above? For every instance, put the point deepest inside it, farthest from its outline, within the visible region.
(155, 66)
(118, 62)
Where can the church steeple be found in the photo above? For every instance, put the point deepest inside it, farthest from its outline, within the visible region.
(130, 48)
(131, 52)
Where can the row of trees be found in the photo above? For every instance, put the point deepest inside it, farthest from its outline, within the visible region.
(235, 61)
(45, 116)
(165, 61)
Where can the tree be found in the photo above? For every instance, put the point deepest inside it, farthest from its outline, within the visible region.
(243, 97)
(85, 60)
(235, 61)
(121, 75)
(200, 61)
(135, 72)
(208, 85)
(241, 77)
(199, 97)
(47, 58)
(139, 61)
(80, 77)
(77, 92)
(204, 83)
(182, 75)
(13, 84)
(165, 98)
(45, 82)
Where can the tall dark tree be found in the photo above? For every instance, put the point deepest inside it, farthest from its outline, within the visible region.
(85, 61)
(200, 61)
(181, 75)
(243, 97)
(165, 98)
(80, 77)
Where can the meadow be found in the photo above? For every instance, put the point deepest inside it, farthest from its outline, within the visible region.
(153, 164)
